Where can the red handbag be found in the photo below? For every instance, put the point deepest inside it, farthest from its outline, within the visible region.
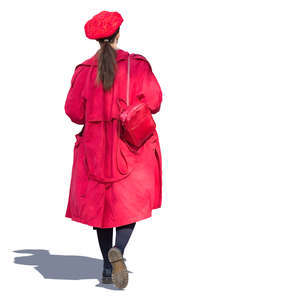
(136, 120)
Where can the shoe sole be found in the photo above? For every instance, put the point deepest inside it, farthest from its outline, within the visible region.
(119, 272)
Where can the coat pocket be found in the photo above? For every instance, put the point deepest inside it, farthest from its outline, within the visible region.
(80, 170)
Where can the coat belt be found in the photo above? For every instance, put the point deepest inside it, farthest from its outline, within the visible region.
(122, 174)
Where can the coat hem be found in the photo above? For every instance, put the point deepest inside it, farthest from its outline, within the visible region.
(132, 220)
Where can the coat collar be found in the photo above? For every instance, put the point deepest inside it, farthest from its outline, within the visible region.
(92, 61)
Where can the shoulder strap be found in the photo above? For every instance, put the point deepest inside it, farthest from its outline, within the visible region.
(128, 81)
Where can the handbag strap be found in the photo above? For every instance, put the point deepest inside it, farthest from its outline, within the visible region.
(127, 87)
(128, 81)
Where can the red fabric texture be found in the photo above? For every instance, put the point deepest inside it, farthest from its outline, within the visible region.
(103, 24)
(112, 184)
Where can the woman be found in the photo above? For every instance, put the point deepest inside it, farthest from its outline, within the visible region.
(112, 184)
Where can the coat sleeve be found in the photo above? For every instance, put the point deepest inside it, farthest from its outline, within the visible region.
(150, 90)
(75, 102)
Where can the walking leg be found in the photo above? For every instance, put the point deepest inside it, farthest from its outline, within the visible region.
(123, 234)
(105, 236)
(115, 254)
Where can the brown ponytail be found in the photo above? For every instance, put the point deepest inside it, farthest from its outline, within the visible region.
(106, 56)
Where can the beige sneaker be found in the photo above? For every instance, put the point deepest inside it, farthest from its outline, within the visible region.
(119, 269)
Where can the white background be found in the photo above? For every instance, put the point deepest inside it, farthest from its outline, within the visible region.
(228, 227)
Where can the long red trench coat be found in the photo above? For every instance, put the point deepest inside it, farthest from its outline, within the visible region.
(111, 185)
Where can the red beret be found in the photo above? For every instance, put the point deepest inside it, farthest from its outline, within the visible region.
(103, 24)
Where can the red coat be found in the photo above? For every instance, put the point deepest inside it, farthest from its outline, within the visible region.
(110, 184)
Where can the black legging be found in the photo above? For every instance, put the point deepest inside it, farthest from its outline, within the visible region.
(105, 236)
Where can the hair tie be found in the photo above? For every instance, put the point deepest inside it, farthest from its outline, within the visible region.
(106, 40)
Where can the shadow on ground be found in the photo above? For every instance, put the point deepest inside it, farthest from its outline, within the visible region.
(70, 267)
